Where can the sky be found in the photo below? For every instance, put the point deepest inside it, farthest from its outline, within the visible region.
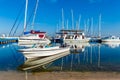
(49, 15)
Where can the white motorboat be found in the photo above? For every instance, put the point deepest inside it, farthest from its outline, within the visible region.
(72, 36)
(38, 62)
(33, 37)
(111, 39)
(39, 48)
(33, 54)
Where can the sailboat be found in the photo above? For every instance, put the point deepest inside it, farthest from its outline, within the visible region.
(32, 37)
(71, 35)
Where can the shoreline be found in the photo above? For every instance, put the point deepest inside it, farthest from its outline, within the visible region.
(59, 75)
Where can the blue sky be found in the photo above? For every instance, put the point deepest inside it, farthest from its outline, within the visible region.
(49, 14)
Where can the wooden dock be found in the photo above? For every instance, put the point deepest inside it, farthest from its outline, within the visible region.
(7, 40)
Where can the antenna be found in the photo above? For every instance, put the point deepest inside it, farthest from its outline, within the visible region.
(35, 13)
(25, 19)
(62, 19)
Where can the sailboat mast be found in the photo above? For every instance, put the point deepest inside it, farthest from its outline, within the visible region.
(85, 27)
(79, 21)
(62, 19)
(72, 20)
(67, 24)
(99, 26)
(92, 27)
(35, 13)
(25, 19)
(77, 25)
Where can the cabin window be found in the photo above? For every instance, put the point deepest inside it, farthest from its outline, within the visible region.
(41, 36)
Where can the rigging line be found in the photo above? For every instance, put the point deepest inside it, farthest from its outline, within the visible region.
(34, 16)
(30, 17)
(16, 19)
(17, 28)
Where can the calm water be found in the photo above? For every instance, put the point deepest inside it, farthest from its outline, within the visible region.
(89, 57)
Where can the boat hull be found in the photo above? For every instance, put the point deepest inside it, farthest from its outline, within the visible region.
(26, 42)
(33, 54)
(69, 41)
(39, 49)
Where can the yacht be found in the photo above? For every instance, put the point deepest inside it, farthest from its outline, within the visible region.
(72, 36)
(111, 39)
(33, 37)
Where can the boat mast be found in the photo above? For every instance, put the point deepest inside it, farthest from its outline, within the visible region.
(25, 19)
(79, 22)
(77, 25)
(67, 24)
(92, 27)
(72, 20)
(35, 13)
(62, 19)
(99, 35)
(85, 27)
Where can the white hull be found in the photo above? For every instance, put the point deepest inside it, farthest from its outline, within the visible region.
(69, 41)
(39, 49)
(34, 54)
(26, 42)
(110, 40)
(42, 61)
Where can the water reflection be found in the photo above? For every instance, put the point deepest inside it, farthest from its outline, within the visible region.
(78, 48)
(41, 62)
(95, 57)
(111, 44)
(89, 57)
(63, 61)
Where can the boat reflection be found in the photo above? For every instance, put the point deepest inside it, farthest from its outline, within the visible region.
(78, 48)
(34, 63)
(111, 44)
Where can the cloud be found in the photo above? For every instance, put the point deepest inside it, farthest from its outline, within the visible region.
(94, 1)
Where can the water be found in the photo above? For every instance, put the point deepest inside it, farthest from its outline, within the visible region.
(89, 57)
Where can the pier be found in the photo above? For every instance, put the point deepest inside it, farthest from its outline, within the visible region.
(6, 40)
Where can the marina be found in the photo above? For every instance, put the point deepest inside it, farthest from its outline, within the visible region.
(59, 39)
(94, 57)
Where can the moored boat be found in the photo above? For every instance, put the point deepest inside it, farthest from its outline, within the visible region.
(33, 54)
(34, 37)
(39, 48)
(72, 36)
(39, 62)
(111, 39)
